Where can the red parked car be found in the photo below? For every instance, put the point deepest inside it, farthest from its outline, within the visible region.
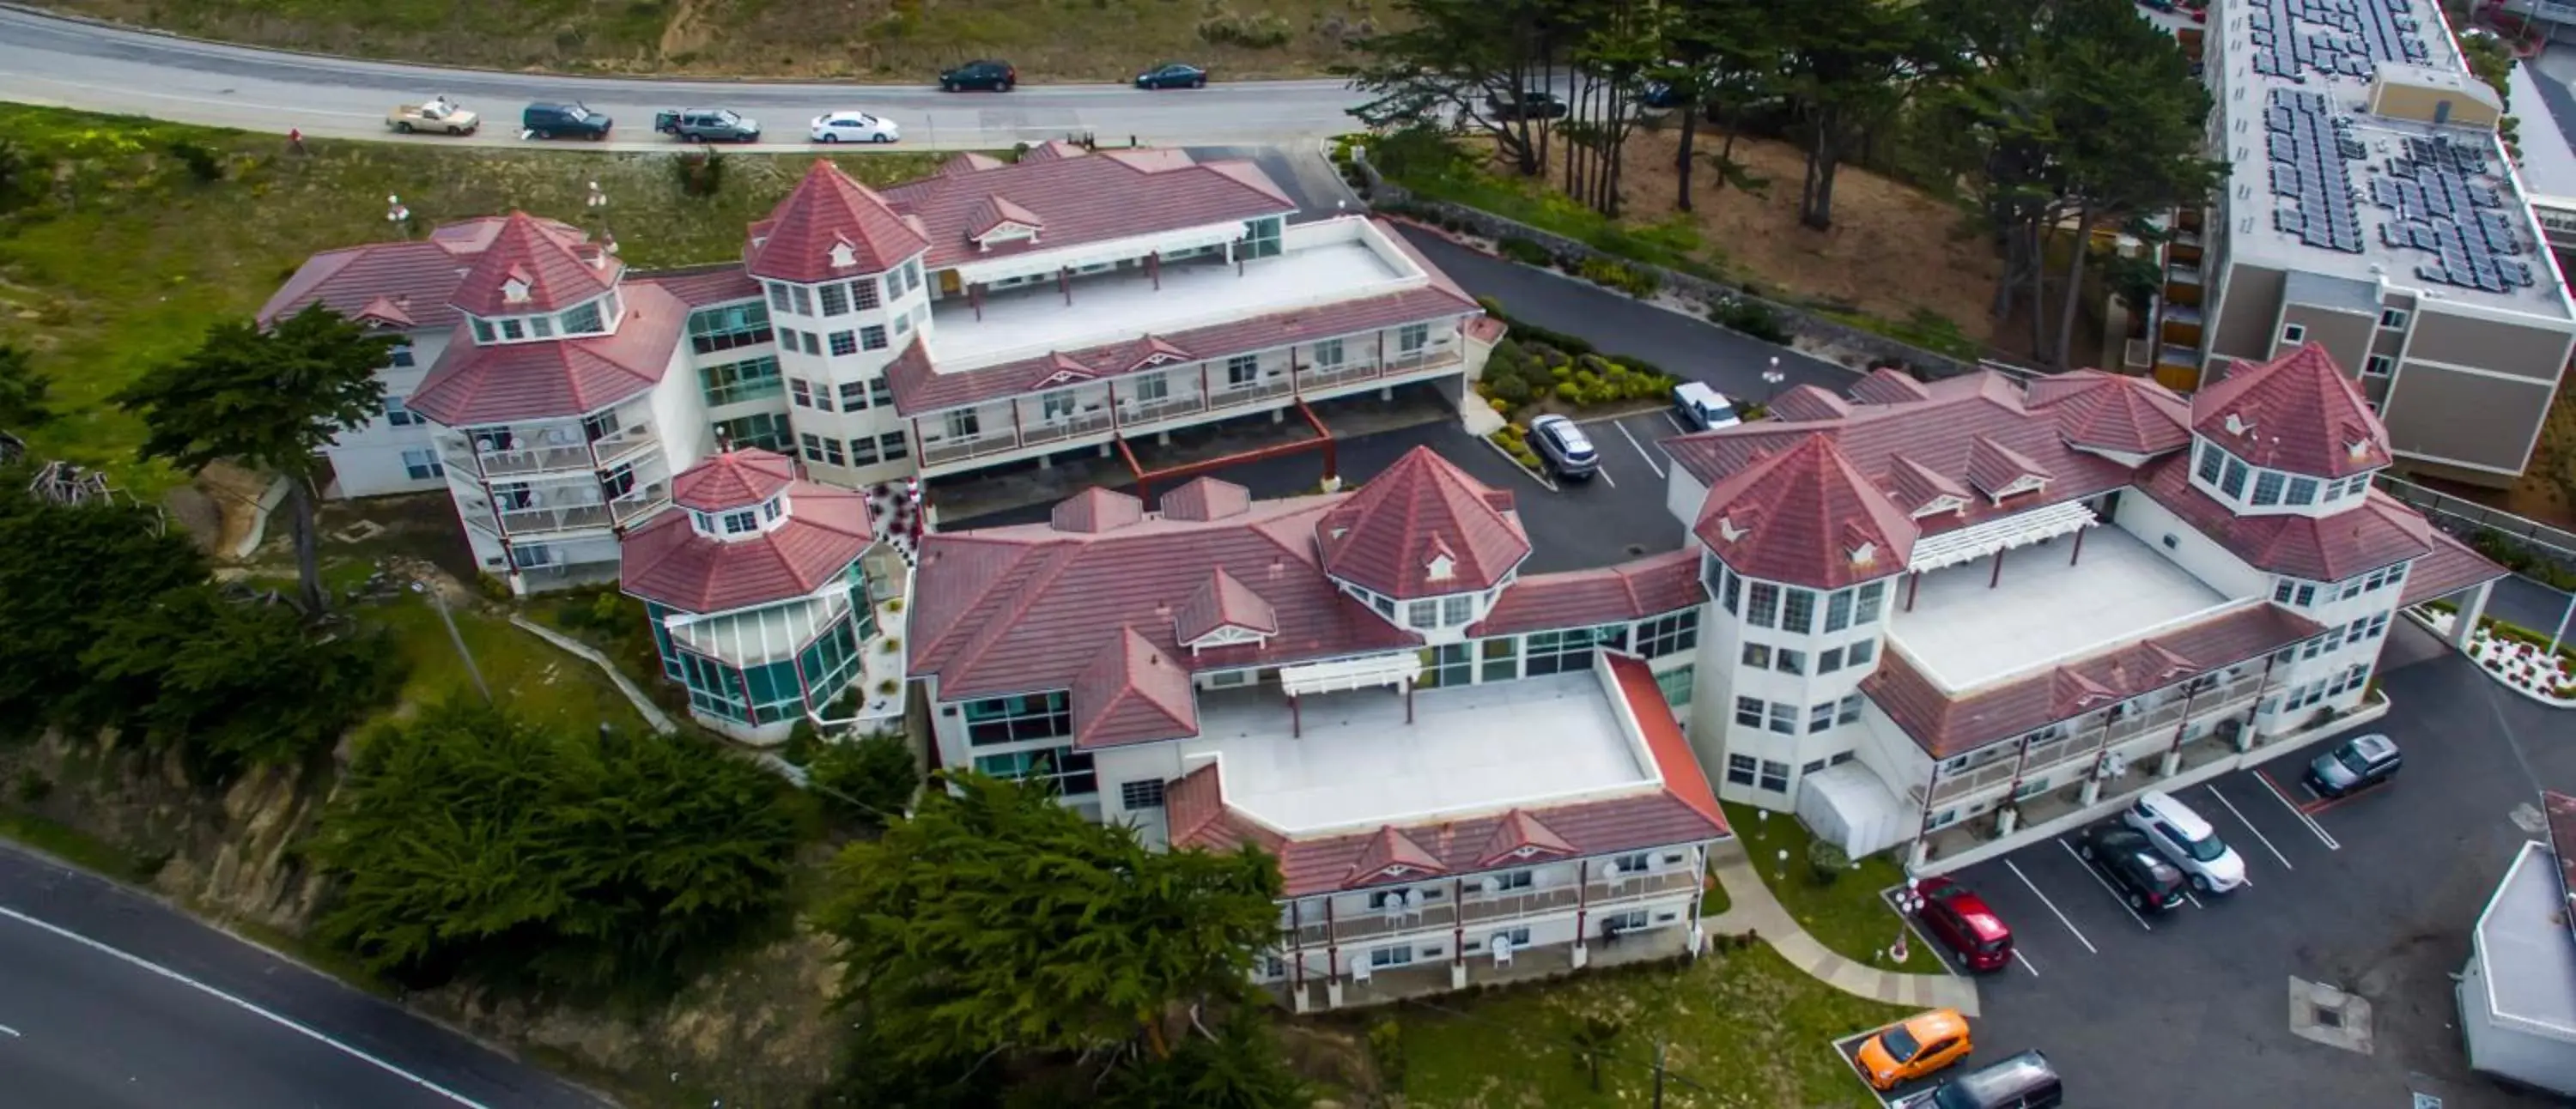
(1959, 918)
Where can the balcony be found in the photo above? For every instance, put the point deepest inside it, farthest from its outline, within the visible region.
(1644, 885)
(516, 461)
(1319, 377)
(937, 451)
(1238, 396)
(634, 507)
(624, 443)
(2177, 273)
(1146, 412)
(1518, 903)
(1063, 428)
(2049, 755)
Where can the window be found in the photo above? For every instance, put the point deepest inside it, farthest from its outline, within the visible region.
(1260, 238)
(1511, 880)
(1784, 718)
(813, 445)
(541, 327)
(2281, 592)
(804, 299)
(902, 326)
(1147, 794)
(832, 453)
(583, 319)
(2267, 487)
(863, 293)
(1734, 589)
(872, 337)
(778, 296)
(1676, 685)
(880, 393)
(399, 356)
(1847, 710)
(962, 423)
(398, 415)
(802, 391)
(1328, 353)
(741, 523)
(600, 426)
(422, 464)
(2303, 490)
(1748, 711)
(892, 445)
(863, 451)
(1635, 862)
(1664, 635)
(1859, 652)
(2233, 484)
(2378, 365)
(1390, 956)
(1757, 655)
(482, 331)
(1560, 652)
(1018, 719)
(1763, 610)
(854, 396)
(1787, 661)
(1057, 405)
(813, 343)
(844, 342)
(911, 274)
(1799, 615)
(836, 300)
(736, 382)
(1502, 658)
(2392, 317)
(1068, 770)
(2294, 333)
(1457, 611)
(618, 481)
(1242, 370)
(1820, 717)
(1775, 776)
(1865, 604)
(1422, 614)
(1838, 610)
(1412, 337)
(1739, 770)
(1830, 661)
(512, 329)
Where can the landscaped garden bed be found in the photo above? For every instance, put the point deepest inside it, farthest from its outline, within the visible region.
(2524, 666)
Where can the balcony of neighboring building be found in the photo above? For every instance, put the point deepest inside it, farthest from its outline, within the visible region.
(1311, 985)
(2135, 734)
(527, 448)
(624, 494)
(1483, 907)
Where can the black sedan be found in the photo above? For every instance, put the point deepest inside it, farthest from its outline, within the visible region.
(1172, 75)
(2357, 764)
(1528, 104)
(2145, 880)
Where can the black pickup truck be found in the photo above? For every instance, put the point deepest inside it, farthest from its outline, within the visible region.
(706, 125)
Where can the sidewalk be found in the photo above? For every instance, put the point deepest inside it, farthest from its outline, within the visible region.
(1753, 909)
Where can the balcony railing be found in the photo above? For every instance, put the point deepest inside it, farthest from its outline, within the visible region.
(1517, 903)
(1246, 394)
(2083, 744)
(1146, 412)
(639, 504)
(534, 519)
(1318, 377)
(624, 442)
(1643, 885)
(1062, 428)
(518, 460)
(936, 451)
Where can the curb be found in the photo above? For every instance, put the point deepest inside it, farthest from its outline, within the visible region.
(1524, 471)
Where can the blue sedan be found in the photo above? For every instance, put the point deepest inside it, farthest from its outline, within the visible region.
(1173, 75)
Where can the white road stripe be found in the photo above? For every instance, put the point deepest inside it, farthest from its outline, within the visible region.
(2105, 883)
(12, 1032)
(281, 1021)
(2021, 958)
(2275, 790)
(2249, 826)
(2052, 907)
(1641, 450)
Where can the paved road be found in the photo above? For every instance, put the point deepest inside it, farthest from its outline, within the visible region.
(49, 60)
(110, 1000)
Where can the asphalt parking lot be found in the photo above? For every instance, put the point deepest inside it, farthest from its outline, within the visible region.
(2374, 894)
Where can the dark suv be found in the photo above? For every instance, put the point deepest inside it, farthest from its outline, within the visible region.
(545, 121)
(706, 125)
(982, 74)
(2145, 880)
(1529, 104)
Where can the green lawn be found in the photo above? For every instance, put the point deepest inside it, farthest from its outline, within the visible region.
(125, 259)
(1744, 1029)
(1846, 915)
(546, 684)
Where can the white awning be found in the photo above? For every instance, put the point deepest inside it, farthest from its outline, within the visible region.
(2020, 529)
(755, 637)
(1398, 669)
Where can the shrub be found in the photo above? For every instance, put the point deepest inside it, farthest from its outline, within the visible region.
(1826, 860)
(204, 165)
(699, 172)
(1386, 1049)
(1524, 251)
(1633, 280)
(1750, 317)
(1255, 32)
(868, 781)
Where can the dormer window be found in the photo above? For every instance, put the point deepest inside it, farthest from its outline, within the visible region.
(734, 524)
(591, 317)
(1440, 568)
(515, 291)
(1865, 554)
(1939, 505)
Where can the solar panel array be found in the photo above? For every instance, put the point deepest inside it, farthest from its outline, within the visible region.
(2309, 146)
(2348, 38)
(2438, 206)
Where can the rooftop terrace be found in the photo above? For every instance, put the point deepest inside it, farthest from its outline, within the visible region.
(2529, 957)
(1964, 635)
(1470, 749)
(1319, 263)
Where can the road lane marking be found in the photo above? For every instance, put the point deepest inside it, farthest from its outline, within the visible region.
(12, 1032)
(287, 1023)
(2266, 841)
(2052, 908)
(1641, 450)
(2105, 883)
(2296, 811)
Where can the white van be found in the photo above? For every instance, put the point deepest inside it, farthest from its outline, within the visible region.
(1702, 408)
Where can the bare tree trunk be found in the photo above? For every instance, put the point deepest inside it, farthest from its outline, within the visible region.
(308, 560)
(2074, 288)
(1682, 162)
(1816, 202)
(2039, 283)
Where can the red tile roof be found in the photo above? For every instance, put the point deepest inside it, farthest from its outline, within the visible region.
(700, 286)
(1096, 510)
(1632, 590)
(1809, 402)
(994, 211)
(2560, 812)
(1133, 692)
(1675, 762)
(918, 388)
(734, 479)
(416, 277)
(1420, 512)
(1944, 726)
(1915, 486)
(1804, 516)
(1082, 198)
(2113, 412)
(2451, 567)
(1223, 601)
(1519, 832)
(1886, 386)
(2353, 541)
(1390, 856)
(1206, 499)
(1016, 609)
(551, 265)
(557, 379)
(668, 562)
(826, 212)
(1994, 467)
(2297, 412)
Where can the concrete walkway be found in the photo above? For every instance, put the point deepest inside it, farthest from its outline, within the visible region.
(1751, 908)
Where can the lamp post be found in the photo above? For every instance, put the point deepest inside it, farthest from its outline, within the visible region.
(1773, 377)
(1781, 873)
(597, 202)
(1908, 901)
(398, 215)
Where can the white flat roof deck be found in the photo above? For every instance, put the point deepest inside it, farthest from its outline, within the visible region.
(1470, 749)
(1964, 635)
(1032, 320)
(2530, 958)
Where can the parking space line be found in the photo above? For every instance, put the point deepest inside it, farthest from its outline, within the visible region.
(1641, 450)
(2249, 826)
(2195, 902)
(2296, 811)
(1604, 474)
(2021, 959)
(2105, 883)
(1676, 421)
(2052, 908)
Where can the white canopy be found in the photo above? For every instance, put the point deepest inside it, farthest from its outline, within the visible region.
(1398, 669)
(2021, 529)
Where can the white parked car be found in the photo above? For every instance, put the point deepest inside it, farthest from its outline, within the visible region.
(2182, 836)
(855, 127)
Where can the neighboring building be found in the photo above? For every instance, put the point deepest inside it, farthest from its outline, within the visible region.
(2371, 209)
(1466, 772)
(2517, 993)
(1921, 617)
(760, 595)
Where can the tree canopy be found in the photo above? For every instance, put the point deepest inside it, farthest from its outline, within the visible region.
(868, 780)
(67, 573)
(23, 392)
(995, 919)
(267, 398)
(472, 841)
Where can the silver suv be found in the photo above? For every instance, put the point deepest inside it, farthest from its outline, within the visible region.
(1567, 450)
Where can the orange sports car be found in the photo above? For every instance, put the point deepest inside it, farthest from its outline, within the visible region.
(1914, 1047)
